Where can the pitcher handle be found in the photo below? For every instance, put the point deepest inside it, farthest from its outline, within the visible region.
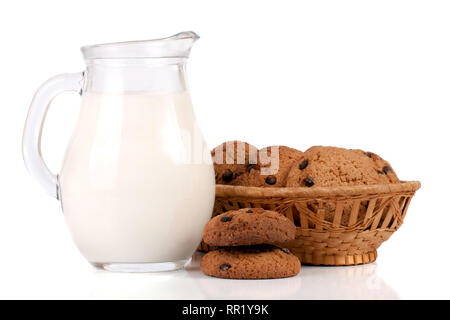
(31, 143)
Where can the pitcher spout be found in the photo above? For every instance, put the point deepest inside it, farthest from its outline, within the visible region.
(176, 46)
(185, 35)
(183, 42)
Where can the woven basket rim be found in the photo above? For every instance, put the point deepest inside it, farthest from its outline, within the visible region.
(224, 191)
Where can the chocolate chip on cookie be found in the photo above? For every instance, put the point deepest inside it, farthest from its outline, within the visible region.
(227, 176)
(308, 182)
(225, 267)
(303, 164)
(271, 180)
(225, 219)
(386, 169)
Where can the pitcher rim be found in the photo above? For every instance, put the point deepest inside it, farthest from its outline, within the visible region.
(176, 46)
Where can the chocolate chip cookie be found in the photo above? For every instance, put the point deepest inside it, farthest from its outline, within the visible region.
(332, 166)
(274, 164)
(252, 262)
(247, 227)
(232, 159)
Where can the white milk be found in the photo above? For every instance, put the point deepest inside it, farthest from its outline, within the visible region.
(134, 185)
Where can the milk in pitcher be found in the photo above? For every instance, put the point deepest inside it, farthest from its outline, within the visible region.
(133, 180)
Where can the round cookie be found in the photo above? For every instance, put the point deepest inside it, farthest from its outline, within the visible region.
(275, 163)
(253, 262)
(232, 159)
(276, 169)
(332, 166)
(247, 227)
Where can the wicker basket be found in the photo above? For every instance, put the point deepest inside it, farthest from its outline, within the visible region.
(335, 225)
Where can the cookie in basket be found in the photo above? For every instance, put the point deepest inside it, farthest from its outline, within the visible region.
(250, 262)
(232, 159)
(275, 162)
(332, 166)
(248, 226)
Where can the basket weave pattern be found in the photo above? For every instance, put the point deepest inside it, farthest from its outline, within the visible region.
(336, 225)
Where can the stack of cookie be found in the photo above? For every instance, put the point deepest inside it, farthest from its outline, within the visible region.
(248, 242)
(241, 164)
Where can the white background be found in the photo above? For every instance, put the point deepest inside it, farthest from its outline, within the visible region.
(373, 75)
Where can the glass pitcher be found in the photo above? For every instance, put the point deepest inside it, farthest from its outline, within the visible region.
(137, 182)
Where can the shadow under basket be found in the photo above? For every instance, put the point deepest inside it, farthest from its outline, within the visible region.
(335, 225)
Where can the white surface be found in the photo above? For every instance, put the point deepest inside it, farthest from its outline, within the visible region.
(365, 74)
(74, 279)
